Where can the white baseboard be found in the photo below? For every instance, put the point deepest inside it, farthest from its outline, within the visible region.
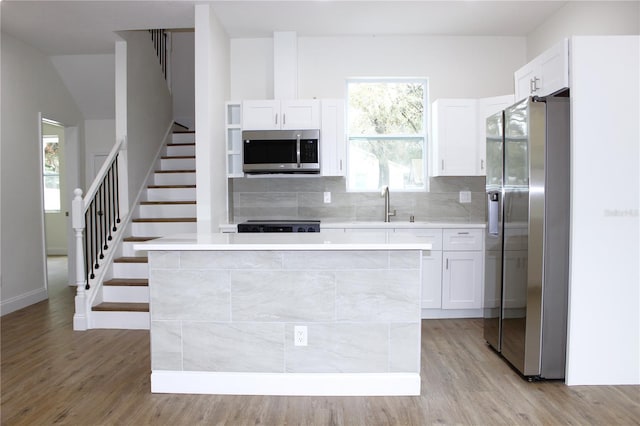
(286, 384)
(22, 301)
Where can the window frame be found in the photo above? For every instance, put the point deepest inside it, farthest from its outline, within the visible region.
(424, 81)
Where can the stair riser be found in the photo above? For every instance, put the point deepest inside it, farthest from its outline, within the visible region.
(121, 320)
(174, 179)
(128, 251)
(160, 229)
(130, 270)
(181, 150)
(125, 294)
(178, 164)
(171, 194)
(167, 210)
(183, 138)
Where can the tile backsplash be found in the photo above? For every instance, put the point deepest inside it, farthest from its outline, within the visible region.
(303, 198)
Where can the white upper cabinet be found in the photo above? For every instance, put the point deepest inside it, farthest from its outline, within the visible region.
(486, 108)
(459, 134)
(546, 74)
(276, 115)
(454, 130)
(332, 138)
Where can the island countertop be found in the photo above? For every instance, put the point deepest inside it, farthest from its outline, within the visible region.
(287, 241)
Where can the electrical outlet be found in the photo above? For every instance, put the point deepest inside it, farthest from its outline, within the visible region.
(300, 335)
(327, 197)
(465, 197)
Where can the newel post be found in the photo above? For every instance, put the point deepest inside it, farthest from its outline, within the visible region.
(77, 222)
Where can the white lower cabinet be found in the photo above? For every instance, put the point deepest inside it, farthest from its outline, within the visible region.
(462, 269)
(431, 266)
(462, 276)
(432, 280)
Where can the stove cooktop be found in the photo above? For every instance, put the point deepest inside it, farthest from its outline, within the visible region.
(279, 226)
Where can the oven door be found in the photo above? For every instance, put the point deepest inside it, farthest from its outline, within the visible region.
(281, 151)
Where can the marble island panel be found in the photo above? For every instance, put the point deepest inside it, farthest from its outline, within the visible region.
(223, 318)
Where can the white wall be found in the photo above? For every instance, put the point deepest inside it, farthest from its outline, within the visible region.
(30, 84)
(585, 18)
(149, 108)
(100, 136)
(604, 292)
(251, 63)
(211, 92)
(455, 66)
(90, 80)
(182, 78)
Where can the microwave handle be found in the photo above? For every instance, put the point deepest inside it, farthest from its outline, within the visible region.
(298, 149)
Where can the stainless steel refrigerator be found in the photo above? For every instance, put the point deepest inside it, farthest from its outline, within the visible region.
(527, 235)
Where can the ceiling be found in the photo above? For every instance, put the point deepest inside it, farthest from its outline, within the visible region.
(88, 27)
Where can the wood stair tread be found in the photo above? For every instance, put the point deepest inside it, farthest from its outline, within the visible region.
(121, 307)
(138, 239)
(170, 186)
(175, 171)
(164, 219)
(154, 203)
(127, 282)
(131, 259)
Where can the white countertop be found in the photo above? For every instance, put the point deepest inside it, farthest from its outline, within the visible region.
(287, 241)
(384, 225)
(400, 225)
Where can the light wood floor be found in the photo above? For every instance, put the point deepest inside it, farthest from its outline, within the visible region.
(53, 375)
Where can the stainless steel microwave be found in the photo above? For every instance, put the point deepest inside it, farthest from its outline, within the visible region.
(281, 151)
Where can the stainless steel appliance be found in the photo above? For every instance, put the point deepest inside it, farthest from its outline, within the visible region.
(527, 235)
(281, 151)
(279, 226)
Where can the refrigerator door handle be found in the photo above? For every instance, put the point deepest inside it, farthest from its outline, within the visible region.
(494, 213)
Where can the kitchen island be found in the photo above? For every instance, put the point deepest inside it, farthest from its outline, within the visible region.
(286, 314)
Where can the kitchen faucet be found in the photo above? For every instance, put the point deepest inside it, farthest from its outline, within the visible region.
(387, 212)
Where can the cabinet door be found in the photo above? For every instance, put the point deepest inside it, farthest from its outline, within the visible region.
(546, 74)
(455, 136)
(299, 115)
(554, 69)
(261, 115)
(486, 108)
(462, 274)
(332, 138)
(431, 266)
(523, 81)
(432, 280)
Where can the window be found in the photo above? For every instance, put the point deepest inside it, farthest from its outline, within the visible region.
(386, 134)
(51, 172)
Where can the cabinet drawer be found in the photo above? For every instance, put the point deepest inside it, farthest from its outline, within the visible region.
(433, 236)
(462, 239)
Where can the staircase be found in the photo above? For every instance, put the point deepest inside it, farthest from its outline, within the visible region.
(167, 207)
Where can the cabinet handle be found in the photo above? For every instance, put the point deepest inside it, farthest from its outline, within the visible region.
(443, 165)
(276, 118)
(533, 84)
(447, 265)
(284, 119)
(463, 233)
(340, 165)
(481, 164)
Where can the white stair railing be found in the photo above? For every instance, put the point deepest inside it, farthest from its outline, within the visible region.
(96, 219)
